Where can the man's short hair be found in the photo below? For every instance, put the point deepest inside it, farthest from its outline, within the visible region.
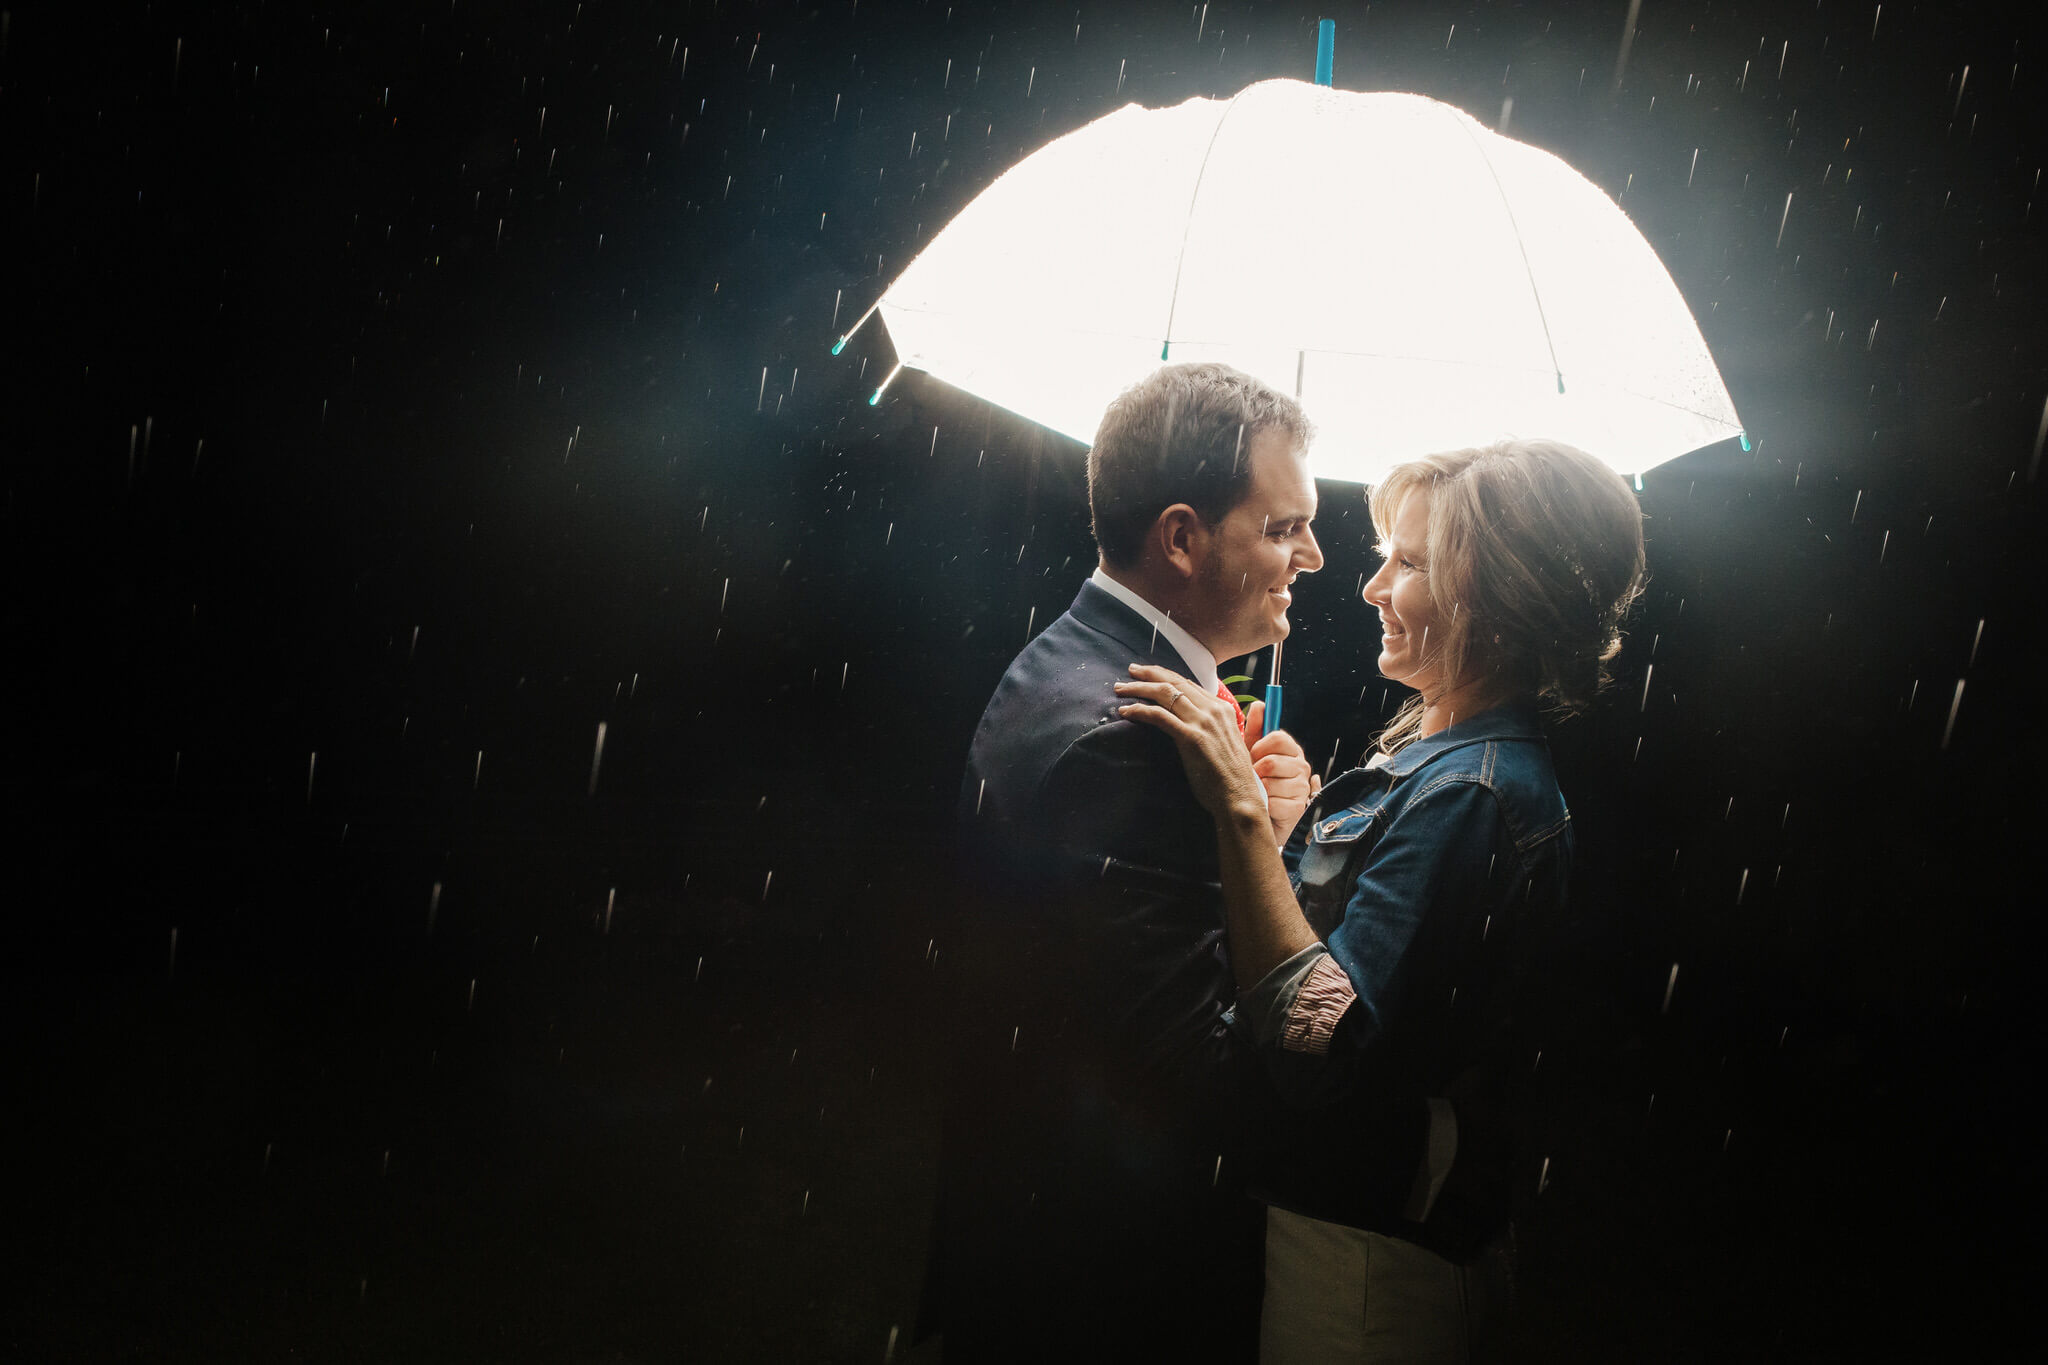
(1181, 434)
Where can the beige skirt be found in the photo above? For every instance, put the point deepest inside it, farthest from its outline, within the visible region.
(1335, 1293)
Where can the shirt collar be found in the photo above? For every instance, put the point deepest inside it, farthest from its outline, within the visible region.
(1201, 663)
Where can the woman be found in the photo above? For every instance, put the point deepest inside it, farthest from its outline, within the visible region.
(1376, 953)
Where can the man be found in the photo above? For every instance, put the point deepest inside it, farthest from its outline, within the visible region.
(1088, 1207)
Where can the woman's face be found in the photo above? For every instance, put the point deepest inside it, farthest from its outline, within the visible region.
(1401, 592)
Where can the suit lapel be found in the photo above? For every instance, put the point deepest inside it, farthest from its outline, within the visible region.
(1100, 612)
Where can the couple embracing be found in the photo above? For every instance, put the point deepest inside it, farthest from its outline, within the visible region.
(1233, 1048)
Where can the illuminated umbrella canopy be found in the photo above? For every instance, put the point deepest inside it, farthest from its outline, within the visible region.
(1420, 282)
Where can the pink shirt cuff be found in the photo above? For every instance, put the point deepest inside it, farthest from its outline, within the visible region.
(1324, 995)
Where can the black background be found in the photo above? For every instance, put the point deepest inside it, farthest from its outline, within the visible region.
(374, 438)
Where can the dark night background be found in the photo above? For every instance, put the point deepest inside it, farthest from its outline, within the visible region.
(403, 392)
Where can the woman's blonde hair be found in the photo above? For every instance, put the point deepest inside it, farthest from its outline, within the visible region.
(1535, 554)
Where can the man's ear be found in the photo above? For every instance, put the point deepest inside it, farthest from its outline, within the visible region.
(1182, 539)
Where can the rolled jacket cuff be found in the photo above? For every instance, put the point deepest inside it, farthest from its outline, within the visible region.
(1263, 1008)
(1319, 1002)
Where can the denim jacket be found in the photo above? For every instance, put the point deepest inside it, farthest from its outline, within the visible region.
(1417, 874)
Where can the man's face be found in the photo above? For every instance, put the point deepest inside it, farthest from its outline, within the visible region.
(1256, 551)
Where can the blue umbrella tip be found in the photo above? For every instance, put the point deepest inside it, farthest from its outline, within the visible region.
(1639, 483)
(874, 398)
(838, 346)
(1745, 440)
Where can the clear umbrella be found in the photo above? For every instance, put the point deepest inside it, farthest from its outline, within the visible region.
(1420, 282)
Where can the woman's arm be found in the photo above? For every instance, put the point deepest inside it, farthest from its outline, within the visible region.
(1260, 915)
(1265, 925)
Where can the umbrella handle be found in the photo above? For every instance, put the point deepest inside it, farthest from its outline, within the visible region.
(1272, 707)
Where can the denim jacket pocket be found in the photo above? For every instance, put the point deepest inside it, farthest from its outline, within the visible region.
(1330, 862)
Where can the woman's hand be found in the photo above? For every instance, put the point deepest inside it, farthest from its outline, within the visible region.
(1204, 728)
(1260, 916)
(1281, 765)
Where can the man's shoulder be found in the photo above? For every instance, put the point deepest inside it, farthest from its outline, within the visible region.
(1060, 685)
(1052, 755)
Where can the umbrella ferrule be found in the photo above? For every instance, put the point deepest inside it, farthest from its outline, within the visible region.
(876, 396)
(847, 335)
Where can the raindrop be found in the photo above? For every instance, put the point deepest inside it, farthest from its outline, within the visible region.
(1669, 986)
(2040, 435)
(596, 757)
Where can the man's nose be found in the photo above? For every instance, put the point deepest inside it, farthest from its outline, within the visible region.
(1313, 558)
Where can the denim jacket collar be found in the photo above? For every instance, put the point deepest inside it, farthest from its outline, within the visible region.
(1511, 720)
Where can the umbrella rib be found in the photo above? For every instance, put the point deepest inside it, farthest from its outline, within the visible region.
(1509, 209)
(1188, 227)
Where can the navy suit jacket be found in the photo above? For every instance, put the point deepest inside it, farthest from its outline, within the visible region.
(1091, 1192)
(1088, 821)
